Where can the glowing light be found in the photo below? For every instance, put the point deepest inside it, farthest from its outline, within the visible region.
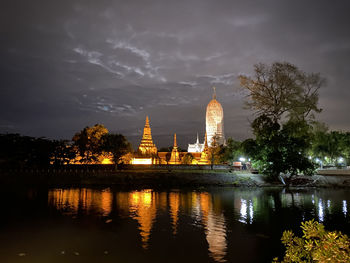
(107, 161)
(320, 210)
(345, 207)
(241, 159)
(251, 211)
(340, 159)
(143, 208)
(243, 211)
(141, 161)
(174, 202)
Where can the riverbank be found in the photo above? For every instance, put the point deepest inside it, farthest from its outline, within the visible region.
(163, 178)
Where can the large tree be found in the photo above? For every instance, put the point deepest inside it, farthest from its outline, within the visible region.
(282, 90)
(284, 100)
(88, 142)
(117, 145)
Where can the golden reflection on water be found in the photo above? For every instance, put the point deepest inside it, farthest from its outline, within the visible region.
(215, 226)
(174, 202)
(70, 201)
(143, 206)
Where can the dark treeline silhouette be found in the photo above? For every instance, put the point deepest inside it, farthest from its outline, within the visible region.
(17, 151)
(23, 152)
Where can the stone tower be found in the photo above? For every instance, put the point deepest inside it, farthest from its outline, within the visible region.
(215, 121)
(147, 147)
(175, 155)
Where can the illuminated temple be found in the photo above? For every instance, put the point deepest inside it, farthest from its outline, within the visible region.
(214, 126)
(147, 152)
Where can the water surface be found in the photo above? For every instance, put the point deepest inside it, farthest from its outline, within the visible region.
(110, 225)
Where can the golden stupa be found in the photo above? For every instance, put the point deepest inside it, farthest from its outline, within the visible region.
(147, 147)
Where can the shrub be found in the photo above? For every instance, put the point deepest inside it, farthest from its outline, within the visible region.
(316, 245)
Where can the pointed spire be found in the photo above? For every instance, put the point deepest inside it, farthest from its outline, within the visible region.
(147, 146)
(175, 142)
(197, 139)
(205, 141)
(214, 93)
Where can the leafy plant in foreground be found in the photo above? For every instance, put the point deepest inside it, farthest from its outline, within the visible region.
(316, 245)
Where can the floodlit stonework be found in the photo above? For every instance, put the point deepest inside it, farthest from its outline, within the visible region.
(175, 155)
(195, 147)
(215, 121)
(147, 147)
(204, 159)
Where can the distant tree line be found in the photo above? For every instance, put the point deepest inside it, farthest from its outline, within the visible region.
(89, 146)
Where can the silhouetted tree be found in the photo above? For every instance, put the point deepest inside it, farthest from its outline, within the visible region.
(63, 152)
(88, 142)
(284, 99)
(117, 145)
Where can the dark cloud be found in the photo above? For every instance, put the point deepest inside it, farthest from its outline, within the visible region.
(68, 64)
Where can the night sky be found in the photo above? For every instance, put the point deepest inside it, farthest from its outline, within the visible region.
(69, 64)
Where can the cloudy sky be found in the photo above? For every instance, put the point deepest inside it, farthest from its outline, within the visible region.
(69, 64)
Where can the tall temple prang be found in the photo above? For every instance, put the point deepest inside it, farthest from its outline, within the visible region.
(214, 126)
(147, 147)
(215, 121)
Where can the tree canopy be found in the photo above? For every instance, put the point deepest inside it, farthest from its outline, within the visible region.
(88, 142)
(116, 144)
(282, 89)
(284, 100)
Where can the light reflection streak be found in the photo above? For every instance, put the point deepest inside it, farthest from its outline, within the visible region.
(215, 226)
(246, 211)
(174, 202)
(70, 201)
(243, 211)
(142, 207)
(320, 210)
(251, 212)
(345, 208)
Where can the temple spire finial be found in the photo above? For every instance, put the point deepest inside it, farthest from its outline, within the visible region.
(197, 139)
(214, 93)
(175, 142)
(205, 141)
(147, 120)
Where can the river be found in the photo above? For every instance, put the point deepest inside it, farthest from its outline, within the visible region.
(152, 225)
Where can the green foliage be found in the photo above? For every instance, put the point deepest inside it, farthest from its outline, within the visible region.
(216, 152)
(329, 146)
(187, 159)
(116, 144)
(232, 151)
(88, 142)
(284, 99)
(316, 245)
(279, 150)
